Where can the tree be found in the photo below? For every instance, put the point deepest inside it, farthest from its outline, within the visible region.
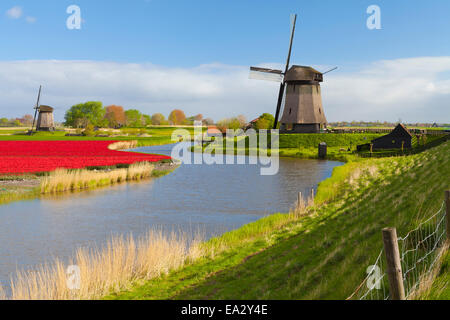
(242, 120)
(134, 118)
(82, 114)
(208, 121)
(158, 119)
(4, 122)
(265, 122)
(115, 115)
(231, 123)
(177, 117)
(27, 120)
(146, 119)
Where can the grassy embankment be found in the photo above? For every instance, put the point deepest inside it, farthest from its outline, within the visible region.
(324, 252)
(340, 146)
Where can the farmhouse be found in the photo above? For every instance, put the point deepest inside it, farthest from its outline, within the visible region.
(399, 138)
(213, 132)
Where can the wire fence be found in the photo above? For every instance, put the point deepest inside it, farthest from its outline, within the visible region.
(419, 252)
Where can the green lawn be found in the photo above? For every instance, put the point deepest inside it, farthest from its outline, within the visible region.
(325, 254)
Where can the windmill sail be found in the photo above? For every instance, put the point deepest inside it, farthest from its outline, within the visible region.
(36, 108)
(283, 85)
(266, 74)
(277, 75)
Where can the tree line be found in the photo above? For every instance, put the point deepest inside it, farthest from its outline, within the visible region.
(25, 121)
(94, 114)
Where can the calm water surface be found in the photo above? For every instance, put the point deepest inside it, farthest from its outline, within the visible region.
(212, 199)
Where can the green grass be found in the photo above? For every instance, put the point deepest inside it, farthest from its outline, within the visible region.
(159, 136)
(342, 140)
(440, 288)
(321, 256)
(305, 146)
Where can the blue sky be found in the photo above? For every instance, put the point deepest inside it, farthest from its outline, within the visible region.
(176, 37)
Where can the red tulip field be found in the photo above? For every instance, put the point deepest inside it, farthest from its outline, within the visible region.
(17, 157)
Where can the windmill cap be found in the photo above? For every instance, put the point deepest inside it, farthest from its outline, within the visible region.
(45, 109)
(303, 73)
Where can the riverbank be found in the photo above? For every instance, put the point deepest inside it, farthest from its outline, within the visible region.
(18, 188)
(322, 253)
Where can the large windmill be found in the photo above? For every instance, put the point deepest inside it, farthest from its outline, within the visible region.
(300, 93)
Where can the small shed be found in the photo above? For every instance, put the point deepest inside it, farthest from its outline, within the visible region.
(45, 120)
(399, 138)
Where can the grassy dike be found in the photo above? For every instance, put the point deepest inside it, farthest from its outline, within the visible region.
(322, 252)
(304, 146)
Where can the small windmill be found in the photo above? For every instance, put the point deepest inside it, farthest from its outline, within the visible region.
(300, 91)
(45, 120)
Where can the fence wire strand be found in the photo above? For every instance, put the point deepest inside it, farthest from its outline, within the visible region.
(419, 251)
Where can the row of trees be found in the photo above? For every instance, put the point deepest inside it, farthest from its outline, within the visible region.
(25, 121)
(264, 122)
(113, 116)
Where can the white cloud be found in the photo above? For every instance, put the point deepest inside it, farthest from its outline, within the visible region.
(411, 89)
(30, 19)
(15, 12)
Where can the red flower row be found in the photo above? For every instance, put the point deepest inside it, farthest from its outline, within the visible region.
(42, 156)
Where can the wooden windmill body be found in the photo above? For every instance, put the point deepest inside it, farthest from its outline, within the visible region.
(45, 120)
(300, 93)
(303, 110)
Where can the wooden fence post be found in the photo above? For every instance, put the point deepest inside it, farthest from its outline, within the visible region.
(447, 205)
(394, 267)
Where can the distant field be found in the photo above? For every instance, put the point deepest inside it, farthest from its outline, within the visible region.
(146, 137)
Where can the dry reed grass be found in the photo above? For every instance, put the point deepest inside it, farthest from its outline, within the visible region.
(122, 145)
(112, 268)
(427, 279)
(302, 205)
(2, 293)
(63, 180)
